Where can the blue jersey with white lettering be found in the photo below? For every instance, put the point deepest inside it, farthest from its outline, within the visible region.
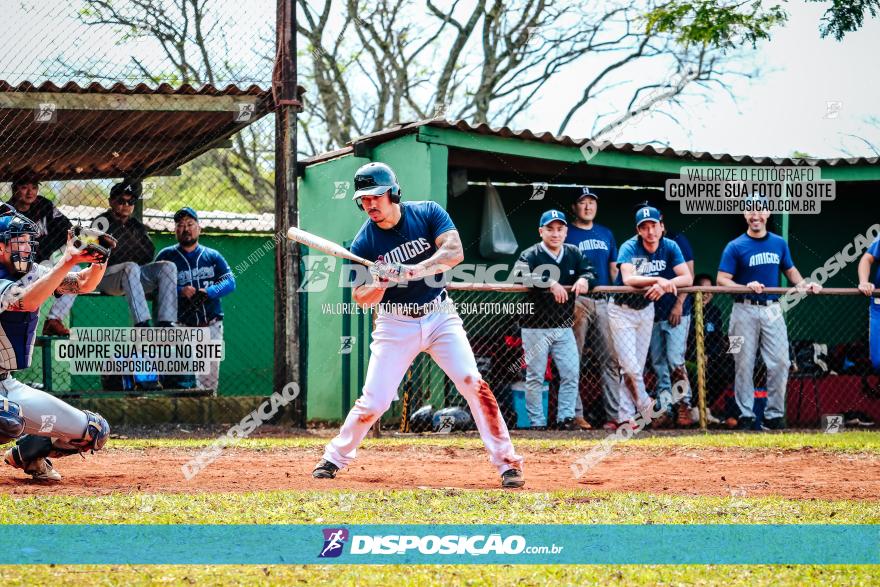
(18, 329)
(410, 241)
(667, 255)
(874, 251)
(757, 259)
(663, 306)
(202, 268)
(598, 246)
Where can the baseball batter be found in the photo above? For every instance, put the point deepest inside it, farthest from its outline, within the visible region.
(412, 241)
(44, 425)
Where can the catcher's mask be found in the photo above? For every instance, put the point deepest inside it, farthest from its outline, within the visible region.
(22, 252)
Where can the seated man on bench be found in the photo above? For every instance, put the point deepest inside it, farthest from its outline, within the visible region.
(130, 271)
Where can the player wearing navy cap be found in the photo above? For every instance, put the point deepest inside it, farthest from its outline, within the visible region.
(547, 331)
(598, 245)
(755, 259)
(412, 241)
(641, 261)
(203, 277)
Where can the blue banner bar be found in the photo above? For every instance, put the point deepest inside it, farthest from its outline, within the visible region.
(439, 544)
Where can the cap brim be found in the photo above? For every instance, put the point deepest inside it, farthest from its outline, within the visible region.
(643, 220)
(374, 191)
(552, 221)
(582, 196)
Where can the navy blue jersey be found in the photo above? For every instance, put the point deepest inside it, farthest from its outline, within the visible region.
(598, 246)
(666, 257)
(202, 268)
(756, 259)
(17, 329)
(410, 241)
(663, 306)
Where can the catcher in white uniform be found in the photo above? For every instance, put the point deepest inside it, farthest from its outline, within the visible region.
(412, 241)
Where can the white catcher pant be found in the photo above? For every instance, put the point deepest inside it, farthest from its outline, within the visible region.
(45, 414)
(397, 340)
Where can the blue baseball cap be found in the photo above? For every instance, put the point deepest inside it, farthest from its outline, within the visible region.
(648, 213)
(550, 216)
(585, 193)
(187, 211)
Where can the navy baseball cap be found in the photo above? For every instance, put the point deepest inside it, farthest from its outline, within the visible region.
(187, 211)
(550, 216)
(647, 213)
(585, 193)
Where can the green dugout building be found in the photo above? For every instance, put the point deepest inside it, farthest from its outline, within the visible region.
(451, 162)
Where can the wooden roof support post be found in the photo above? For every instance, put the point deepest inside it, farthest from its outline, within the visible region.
(288, 342)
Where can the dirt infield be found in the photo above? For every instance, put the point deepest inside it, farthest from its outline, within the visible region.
(804, 474)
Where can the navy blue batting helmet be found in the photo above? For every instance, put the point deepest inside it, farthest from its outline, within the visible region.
(374, 179)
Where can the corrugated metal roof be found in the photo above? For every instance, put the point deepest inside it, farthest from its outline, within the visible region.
(117, 131)
(565, 140)
(120, 88)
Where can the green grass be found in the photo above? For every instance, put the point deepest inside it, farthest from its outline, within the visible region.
(429, 506)
(488, 575)
(848, 442)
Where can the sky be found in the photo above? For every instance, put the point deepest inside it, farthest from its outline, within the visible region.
(811, 95)
(783, 111)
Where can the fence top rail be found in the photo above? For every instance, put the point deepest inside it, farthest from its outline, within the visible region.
(715, 289)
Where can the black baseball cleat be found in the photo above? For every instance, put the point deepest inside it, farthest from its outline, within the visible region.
(566, 424)
(745, 423)
(773, 424)
(325, 470)
(512, 478)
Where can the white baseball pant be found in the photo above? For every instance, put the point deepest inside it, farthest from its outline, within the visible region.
(397, 340)
(631, 336)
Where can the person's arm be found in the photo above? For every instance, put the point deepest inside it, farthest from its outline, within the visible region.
(28, 294)
(449, 254)
(146, 250)
(586, 274)
(612, 256)
(678, 308)
(866, 286)
(683, 278)
(794, 276)
(225, 284)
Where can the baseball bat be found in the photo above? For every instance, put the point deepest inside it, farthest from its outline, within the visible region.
(322, 244)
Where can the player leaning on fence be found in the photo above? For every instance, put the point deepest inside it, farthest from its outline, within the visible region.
(754, 260)
(548, 266)
(642, 260)
(597, 244)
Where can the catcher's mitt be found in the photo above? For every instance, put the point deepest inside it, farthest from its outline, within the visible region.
(96, 242)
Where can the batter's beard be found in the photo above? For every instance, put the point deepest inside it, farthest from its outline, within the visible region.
(189, 242)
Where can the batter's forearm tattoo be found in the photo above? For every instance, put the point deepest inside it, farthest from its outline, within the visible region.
(69, 285)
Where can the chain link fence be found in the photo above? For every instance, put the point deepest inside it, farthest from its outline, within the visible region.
(170, 103)
(824, 368)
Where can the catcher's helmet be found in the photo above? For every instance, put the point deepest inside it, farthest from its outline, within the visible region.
(374, 179)
(421, 419)
(15, 225)
(454, 419)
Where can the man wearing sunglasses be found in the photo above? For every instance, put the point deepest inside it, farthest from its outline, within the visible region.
(131, 272)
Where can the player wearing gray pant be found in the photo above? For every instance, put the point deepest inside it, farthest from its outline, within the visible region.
(598, 245)
(755, 260)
